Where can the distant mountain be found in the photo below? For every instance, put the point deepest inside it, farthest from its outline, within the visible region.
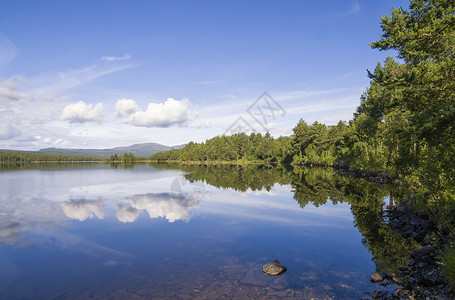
(145, 149)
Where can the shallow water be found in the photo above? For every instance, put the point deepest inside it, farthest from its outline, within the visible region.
(144, 232)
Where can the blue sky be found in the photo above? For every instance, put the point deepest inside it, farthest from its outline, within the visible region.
(100, 74)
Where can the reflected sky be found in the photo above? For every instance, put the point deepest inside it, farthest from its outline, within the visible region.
(98, 226)
(49, 198)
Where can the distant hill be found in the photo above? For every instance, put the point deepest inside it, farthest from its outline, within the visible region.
(145, 149)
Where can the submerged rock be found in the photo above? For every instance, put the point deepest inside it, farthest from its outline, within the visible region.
(273, 268)
(376, 277)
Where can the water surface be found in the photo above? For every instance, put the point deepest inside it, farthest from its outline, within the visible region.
(191, 232)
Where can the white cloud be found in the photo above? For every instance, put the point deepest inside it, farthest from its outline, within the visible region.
(171, 112)
(7, 50)
(82, 209)
(10, 90)
(199, 125)
(33, 105)
(8, 131)
(355, 8)
(62, 81)
(82, 112)
(125, 107)
(62, 142)
(115, 58)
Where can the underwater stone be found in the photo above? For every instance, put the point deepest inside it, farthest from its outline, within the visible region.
(273, 268)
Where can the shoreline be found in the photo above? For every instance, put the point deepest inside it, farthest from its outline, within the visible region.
(424, 277)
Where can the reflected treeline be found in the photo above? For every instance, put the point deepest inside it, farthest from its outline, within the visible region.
(318, 186)
(44, 165)
(125, 165)
(238, 177)
(13, 166)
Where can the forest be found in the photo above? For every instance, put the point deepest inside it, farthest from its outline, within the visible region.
(8, 157)
(25, 157)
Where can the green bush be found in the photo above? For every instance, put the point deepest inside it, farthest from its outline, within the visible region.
(448, 261)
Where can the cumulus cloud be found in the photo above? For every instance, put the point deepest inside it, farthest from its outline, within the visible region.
(171, 112)
(115, 58)
(82, 112)
(82, 209)
(8, 131)
(125, 107)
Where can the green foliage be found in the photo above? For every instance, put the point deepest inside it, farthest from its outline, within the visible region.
(23, 157)
(407, 116)
(310, 144)
(448, 261)
(237, 147)
(317, 144)
(125, 158)
(424, 33)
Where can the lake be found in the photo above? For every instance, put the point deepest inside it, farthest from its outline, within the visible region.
(160, 231)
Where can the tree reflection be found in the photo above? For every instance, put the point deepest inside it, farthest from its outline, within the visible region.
(237, 177)
(319, 186)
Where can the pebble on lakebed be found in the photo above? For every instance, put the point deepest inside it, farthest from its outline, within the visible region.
(273, 268)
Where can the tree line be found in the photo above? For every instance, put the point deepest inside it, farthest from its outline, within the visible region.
(315, 144)
(24, 157)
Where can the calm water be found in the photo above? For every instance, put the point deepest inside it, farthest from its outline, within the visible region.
(197, 232)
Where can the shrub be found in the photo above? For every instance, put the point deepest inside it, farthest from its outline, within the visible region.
(448, 261)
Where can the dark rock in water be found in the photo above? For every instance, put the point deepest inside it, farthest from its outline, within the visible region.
(273, 268)
(376, 277)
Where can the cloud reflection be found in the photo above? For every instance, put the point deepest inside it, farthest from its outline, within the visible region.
(171, 206)
(127, 214)
(9, 231)
(22, 215)
(83, 209)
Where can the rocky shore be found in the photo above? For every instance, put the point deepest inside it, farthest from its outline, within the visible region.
(424, 277)
(381, 178)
